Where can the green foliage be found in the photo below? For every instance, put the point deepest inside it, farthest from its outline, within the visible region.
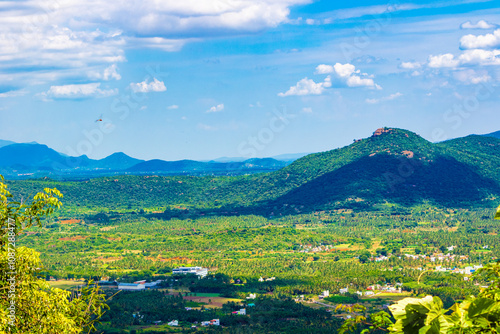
(479, 314)
(28, 304)
(378, 321)
(397, 167)
(346, 299)
(364, 257)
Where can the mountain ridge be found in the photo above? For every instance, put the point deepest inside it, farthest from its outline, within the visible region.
(37, 160)
(392, 166)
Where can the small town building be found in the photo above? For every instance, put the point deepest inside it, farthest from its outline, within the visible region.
(130, 286)
(199, 271)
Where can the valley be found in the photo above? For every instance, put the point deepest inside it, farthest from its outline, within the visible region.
(387, 217)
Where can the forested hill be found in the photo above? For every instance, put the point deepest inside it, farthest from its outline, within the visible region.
(393, 165)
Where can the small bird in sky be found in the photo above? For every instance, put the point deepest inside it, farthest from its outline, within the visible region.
(99, 119)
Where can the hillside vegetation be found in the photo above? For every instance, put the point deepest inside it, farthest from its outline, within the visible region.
(394, 166)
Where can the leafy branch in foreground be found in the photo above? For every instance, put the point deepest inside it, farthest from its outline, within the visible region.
(29, 304)
(376, 321)
(427, 315)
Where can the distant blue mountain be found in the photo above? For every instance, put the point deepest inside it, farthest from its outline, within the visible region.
(28, 155)
(157, 165)
(493, 134)
(36, 160)
(198, 167)
(117, 161)
(290, 156)
(5, 143)
(228, 159)
(282, 157)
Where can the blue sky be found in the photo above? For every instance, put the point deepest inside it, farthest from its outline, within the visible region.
(205, 79)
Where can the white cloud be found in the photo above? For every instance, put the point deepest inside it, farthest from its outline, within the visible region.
(444, 60)
(78, 91)
(410, 65)
(308, 87)
(312, 22)
(13, 93)
(192, 17)
(147, 87)
(353, 77)
(468, 57)
(173, 107)
(324, 69)
(345, 72)
(69, 39)
(356, 81)
(480, 57)
(481, 24)
(108, 74)
(327, 83)
(483, 78)
(216, 108)
(307, 110)
(152, 18)
(68, 53)
(470, 76)
(385, 98)
(481, 41)
(160, 43)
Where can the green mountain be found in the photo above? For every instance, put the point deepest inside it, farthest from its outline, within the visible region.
(395, 142)
(391, 166)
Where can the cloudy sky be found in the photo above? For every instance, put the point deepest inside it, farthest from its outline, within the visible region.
(201, 79)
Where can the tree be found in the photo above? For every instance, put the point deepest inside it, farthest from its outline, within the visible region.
(364, 257)
(427, 315)
(28, 304)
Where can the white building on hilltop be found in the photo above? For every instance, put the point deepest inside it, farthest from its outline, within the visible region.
(199, 271)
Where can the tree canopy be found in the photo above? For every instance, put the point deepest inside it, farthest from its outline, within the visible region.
(29, 304)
